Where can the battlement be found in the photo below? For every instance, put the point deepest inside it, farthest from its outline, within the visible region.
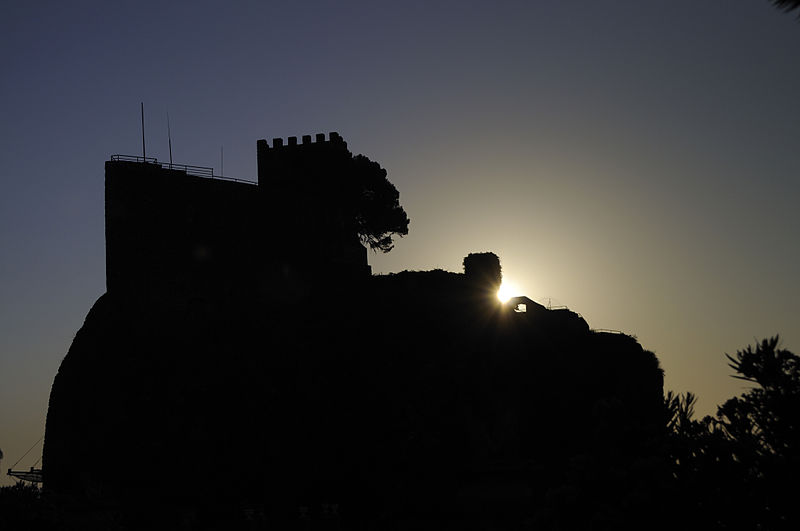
(334, 139)
(312, 159)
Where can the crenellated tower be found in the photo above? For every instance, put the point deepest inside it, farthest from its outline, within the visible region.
(304, 186)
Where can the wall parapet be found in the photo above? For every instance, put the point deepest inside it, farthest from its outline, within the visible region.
(197, 171)
(291, 141)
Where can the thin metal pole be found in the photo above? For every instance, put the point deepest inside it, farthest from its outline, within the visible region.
(144, 153)
(169, 136)
(29, 451)
(221, 162)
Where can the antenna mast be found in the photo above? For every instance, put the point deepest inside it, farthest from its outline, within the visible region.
(144, 153)
(169, 137)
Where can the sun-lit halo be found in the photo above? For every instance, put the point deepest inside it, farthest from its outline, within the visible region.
(506, 291)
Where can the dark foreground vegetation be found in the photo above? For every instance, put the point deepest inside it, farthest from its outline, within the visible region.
(739, 470)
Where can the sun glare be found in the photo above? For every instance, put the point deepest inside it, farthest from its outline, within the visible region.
(506, 291)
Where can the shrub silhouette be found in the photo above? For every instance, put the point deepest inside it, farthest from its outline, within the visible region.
(739, 469)
(22, 507)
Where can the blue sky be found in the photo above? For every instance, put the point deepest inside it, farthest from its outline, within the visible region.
(636, 161)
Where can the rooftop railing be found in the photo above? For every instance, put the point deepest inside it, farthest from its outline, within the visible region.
(198, 171)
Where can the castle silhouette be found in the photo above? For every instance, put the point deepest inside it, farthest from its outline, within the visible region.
(171, 232)
(244, 368)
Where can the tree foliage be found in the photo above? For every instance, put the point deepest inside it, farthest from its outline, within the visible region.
(765, 419)
(376, 209)
(786, 5)
(738, 470)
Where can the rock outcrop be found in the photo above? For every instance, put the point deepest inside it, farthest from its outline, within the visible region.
(409, 394)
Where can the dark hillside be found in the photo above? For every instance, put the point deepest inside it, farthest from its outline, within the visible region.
(409, 396)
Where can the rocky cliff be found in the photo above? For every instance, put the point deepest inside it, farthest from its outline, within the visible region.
(408, 394)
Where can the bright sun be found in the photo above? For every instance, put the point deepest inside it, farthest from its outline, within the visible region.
(506, 291)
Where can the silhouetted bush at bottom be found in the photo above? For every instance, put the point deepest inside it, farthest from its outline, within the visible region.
(22, 506)
(739, 470)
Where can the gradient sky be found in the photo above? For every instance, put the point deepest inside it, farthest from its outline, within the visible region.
(635, 161)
